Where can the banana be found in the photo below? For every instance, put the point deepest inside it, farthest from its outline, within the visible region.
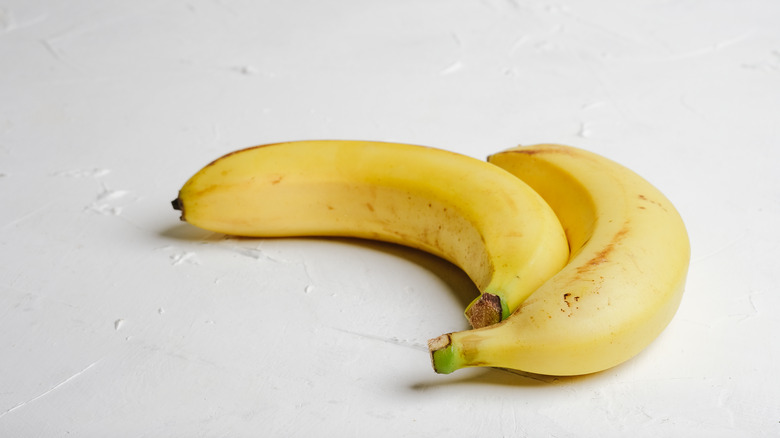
(620, 289)
(499, 231)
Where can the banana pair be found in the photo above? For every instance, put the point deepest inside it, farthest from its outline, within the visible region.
(580, 263)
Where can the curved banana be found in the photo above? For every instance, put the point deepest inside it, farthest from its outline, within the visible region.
(623, 284)
(476, 215)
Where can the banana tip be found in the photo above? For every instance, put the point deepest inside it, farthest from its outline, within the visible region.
(179, 206)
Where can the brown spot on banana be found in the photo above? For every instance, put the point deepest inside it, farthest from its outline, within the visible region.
(656, 203)
(602, 256)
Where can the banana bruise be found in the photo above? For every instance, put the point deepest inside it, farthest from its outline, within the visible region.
(621, 287)
(493, 226)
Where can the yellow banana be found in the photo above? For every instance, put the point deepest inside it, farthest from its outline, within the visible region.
(476, 215)
(623, 284)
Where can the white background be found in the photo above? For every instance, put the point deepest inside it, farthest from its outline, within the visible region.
(118, 320)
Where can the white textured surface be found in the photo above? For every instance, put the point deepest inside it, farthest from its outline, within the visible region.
(118, 320)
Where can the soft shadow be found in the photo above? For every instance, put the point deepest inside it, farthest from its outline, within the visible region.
(184, 231)
(509, 377)
(501, 377)
(456, 280)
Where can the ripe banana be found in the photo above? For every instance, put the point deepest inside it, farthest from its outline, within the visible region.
(623, 283)
(474, 214)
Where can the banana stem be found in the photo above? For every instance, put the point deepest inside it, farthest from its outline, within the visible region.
(444, 358)
(487, 309)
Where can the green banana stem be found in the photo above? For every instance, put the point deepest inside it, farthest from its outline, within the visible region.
(444, 357)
